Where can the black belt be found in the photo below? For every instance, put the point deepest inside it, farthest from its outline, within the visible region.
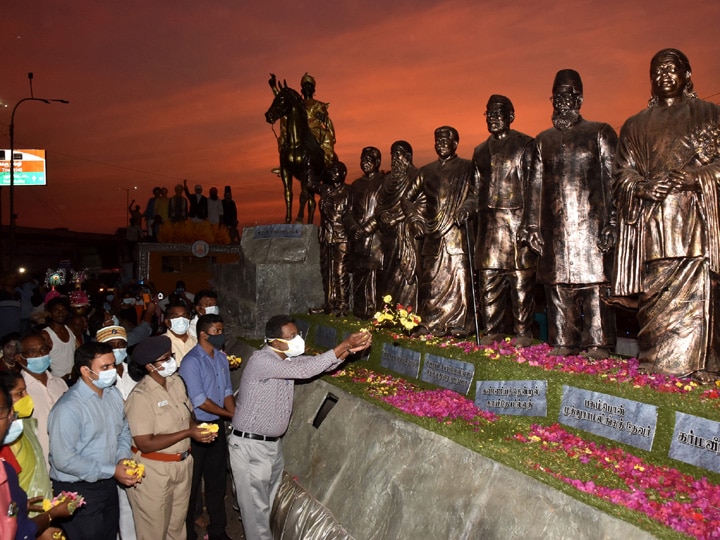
(254, 436)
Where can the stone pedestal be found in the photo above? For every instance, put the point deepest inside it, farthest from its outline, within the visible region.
(279, 272)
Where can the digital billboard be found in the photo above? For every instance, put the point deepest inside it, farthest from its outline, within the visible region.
(29, 168)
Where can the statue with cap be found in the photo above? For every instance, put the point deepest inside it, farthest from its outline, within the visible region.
(505, 267)
(570, 222)
(667, 170)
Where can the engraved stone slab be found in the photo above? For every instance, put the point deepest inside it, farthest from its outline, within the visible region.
(279, 230)
(452, 374)
(326, 337)
(619, 419)
(519, 398)
(696, 441)
(401, 360)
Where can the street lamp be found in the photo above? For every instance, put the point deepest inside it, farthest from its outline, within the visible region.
(12, 160)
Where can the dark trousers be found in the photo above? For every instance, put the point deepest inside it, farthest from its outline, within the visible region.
(210, 465)
(99, 517)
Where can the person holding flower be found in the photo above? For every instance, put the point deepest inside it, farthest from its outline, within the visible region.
(159, 414)
(262, 413)
(89, 441)
(15, 523)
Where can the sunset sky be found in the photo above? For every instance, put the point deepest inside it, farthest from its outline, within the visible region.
(163, 91)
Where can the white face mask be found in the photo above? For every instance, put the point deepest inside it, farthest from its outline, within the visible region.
(168, 368)
(120, 355)
(296, 346)
(212, 310)
(179, 325)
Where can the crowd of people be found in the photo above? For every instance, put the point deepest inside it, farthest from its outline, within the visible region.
(183, 206)
(127, 403)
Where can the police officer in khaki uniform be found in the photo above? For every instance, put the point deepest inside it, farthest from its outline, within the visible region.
(159, 414)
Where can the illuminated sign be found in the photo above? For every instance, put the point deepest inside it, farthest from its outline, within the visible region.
(29, 168)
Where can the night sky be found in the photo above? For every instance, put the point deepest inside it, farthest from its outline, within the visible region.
(166, 90)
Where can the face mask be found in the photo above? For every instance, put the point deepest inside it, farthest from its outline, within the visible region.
(212, 310)
(15, 430)
(169, 367)
(180, 325)
(24, 406)
(110, 297)
(217, 340)
(120, 355)
(128, 301)
(38, 365)
(105, 378)
(296, 346)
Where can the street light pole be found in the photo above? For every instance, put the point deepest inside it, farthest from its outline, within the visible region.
(12, 160)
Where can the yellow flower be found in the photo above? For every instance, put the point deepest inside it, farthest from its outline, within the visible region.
(387, 299)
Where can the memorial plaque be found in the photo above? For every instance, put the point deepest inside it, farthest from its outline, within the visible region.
(280, 230)
(519, 398)
(326, 337)
(452, 374)
(696, 441)
(400, 360)
(619, 419)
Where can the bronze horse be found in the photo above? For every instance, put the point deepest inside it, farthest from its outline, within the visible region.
(300, 154)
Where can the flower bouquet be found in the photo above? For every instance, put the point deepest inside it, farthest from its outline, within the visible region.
(134, 468)
(75, 501)
(402, 316)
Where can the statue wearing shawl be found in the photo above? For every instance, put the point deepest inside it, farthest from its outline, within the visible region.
(668, 255)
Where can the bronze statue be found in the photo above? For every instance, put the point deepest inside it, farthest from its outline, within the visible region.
(301, 156)
(668, 257)
(506, 267)
(444, 278)
(570, 222)
(335, 204)
(398, 275)
(365, 256)
(318, 119)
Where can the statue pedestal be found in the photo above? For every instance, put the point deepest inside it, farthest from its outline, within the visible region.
(279, 272)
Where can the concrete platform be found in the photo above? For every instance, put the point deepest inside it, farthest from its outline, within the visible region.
(383, 478)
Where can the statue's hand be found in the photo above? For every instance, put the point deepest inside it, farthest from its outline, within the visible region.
(462, 216)
(273, 81)
(387, 219)
(532, 238)
(654, 190)
(684, 180)
(608, 238)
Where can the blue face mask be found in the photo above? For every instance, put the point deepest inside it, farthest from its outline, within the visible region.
(15, 430)
(38, 365)
(120, 355)
(105, 378)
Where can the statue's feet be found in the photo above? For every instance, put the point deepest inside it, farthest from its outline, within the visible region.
(705, 377)
(523, 341)
(419, 331)
(491, 338)
(596, 353)
(562, 351)
(459, 332)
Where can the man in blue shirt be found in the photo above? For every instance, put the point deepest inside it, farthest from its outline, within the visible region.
(89, 439)
(206, 373)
